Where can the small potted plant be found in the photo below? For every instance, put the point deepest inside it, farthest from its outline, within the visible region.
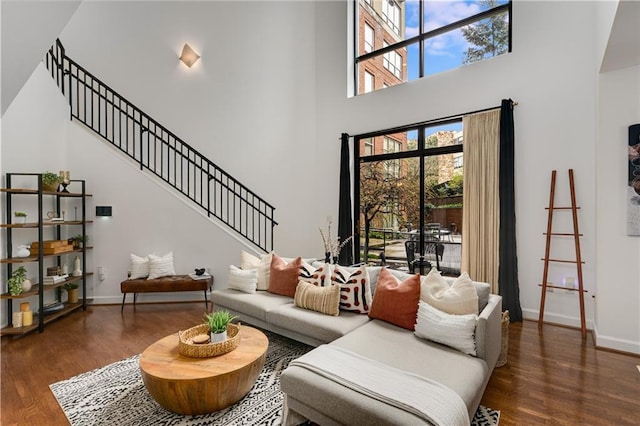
(21, 217)
(217, 322)
(50, 181)
(78, 240)
(18, 277)
(72, 292)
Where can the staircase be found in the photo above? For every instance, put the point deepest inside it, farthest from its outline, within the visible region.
(159, 151)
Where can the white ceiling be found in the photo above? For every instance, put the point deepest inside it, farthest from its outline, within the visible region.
(623, 48)
(28, 29)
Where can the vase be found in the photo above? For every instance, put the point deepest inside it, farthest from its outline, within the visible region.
(77, 272)
(72, 295)
(23, 251)
(26, 286)
(327, 257)
(218, 337)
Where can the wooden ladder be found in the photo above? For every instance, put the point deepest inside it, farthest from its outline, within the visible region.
(578, 260)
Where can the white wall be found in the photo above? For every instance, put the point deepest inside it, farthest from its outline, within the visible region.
(554, 123)
(268, 101)
(618, 298)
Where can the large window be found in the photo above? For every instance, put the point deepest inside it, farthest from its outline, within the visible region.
(409, 183)
(424, 37)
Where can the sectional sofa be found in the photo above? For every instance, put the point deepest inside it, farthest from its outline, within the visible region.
(386, 348)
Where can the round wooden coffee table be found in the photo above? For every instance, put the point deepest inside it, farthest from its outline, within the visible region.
(186, 385)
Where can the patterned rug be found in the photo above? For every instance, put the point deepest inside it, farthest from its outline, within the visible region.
(115, 395)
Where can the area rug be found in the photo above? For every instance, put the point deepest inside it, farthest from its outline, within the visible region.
(115, 395)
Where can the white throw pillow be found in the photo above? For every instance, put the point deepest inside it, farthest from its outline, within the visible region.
(243, 280)
(264, 271)
(139, 267)
(248, 261)
(456, 331)
(161, 266)
(460, 298)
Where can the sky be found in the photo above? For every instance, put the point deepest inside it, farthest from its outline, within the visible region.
(445, 51)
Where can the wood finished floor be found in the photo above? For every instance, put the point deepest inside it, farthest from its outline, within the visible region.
(552, 377)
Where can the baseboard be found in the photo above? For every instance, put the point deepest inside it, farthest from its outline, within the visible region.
(616, 344)
(188, 296)
(553, 318)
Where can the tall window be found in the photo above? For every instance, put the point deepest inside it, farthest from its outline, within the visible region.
(392, 61)
(425, 37)
(368, 82)
(412, 186)
(391, 14)
(368, 38)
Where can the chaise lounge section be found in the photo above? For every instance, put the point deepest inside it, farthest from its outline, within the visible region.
(309, 395)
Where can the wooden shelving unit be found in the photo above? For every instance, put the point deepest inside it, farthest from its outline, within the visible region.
(53, 228)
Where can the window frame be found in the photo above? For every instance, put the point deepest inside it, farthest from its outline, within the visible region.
(421, 153)
(422, 36)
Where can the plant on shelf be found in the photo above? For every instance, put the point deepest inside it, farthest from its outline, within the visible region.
(21, 217)
(78, 240)
(50, 181)
(15, 282)
(72, 292)
(218, 322)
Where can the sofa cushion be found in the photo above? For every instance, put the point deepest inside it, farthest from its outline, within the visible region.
(401, 349)
(325, 300)
(324, 328)
(256, 304)
(319, 275)
(396, 301)
(459, 297)
(455, 331)
(243, 280)
(355, 288)
(283, 277)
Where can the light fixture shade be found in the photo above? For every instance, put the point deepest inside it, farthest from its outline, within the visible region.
(103, 210)
(189, 56)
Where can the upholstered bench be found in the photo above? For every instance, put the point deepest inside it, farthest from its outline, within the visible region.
(163, 285)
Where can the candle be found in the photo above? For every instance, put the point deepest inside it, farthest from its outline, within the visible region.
(24, 306)
(27, 318)
(17, 319)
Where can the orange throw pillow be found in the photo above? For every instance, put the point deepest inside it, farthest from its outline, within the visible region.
(396, 302)
(283, 277)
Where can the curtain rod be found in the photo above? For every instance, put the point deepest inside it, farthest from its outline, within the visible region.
(442, 120)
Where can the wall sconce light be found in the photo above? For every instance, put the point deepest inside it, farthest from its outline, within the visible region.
(189, 56)
(103, 210)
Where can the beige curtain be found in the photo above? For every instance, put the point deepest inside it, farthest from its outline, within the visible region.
(481, 206)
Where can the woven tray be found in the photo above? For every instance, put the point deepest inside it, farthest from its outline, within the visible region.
(187, 348)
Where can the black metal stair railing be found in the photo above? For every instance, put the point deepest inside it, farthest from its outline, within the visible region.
(159, 151)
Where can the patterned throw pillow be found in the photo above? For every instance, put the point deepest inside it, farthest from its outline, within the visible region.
(396, 302)
(459, 298)
(243, 280)
(161, 266)
(320, 299)
(355, 289)
(319, 276)
(284, 276)
(455, 331)
(139, 267)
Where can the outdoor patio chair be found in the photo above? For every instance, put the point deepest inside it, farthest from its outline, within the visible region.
(432, 251)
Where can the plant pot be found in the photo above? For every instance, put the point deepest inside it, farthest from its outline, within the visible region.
(218, 337)
(50, 187)
(72, 295)
(21, 220)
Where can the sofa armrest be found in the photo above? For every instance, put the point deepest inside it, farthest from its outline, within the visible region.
(489, 331)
